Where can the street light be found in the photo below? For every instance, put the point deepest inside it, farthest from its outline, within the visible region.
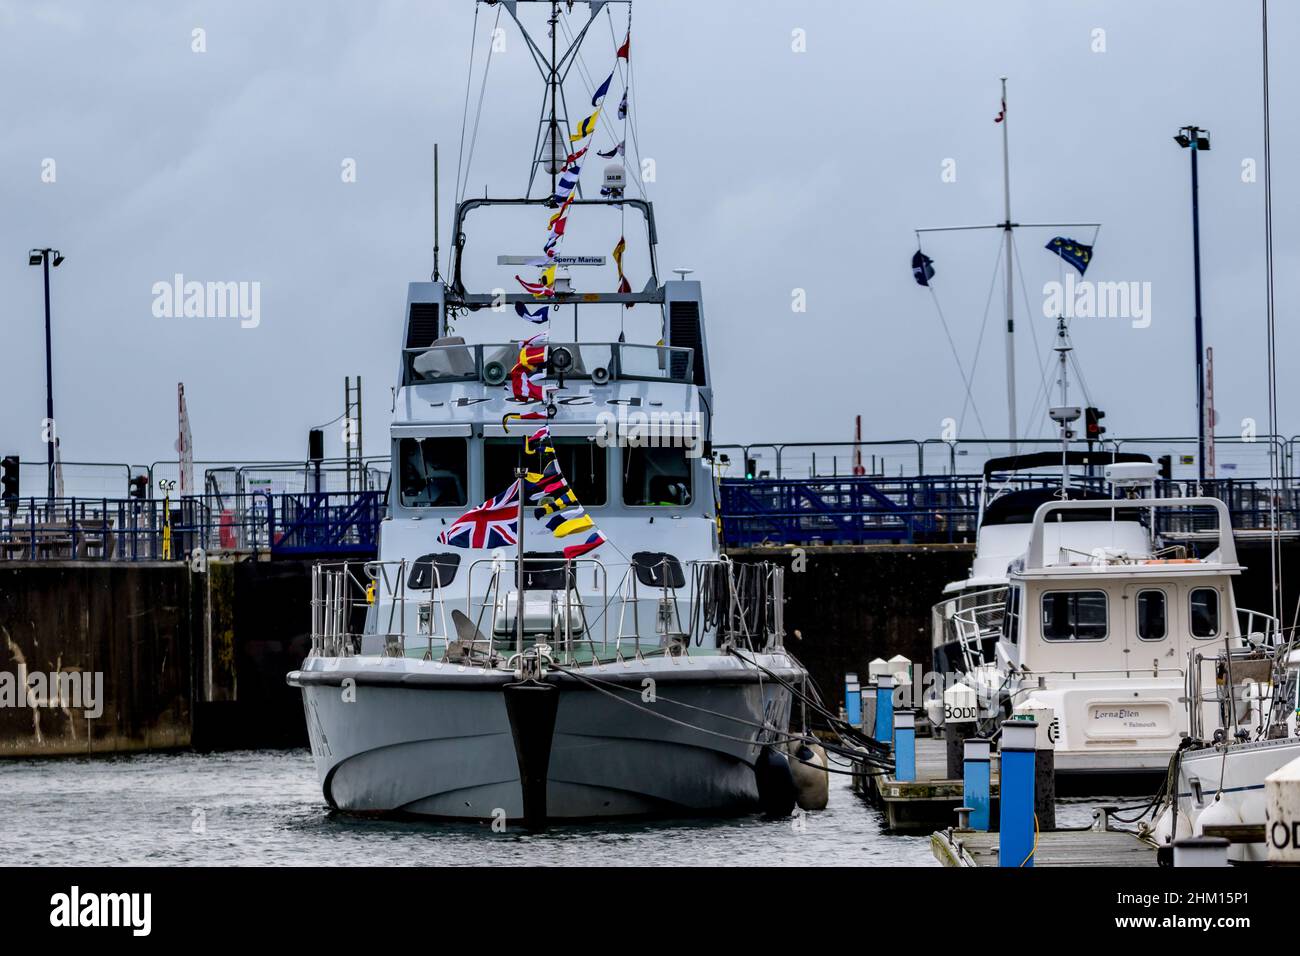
(42, 257)
(1197, 140)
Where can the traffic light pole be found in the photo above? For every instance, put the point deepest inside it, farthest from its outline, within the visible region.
(50, 428)
(1200, 340)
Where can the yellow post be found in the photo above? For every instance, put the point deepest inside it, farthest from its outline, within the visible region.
(167, 528)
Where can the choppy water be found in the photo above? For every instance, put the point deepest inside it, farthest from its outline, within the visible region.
(264, 807)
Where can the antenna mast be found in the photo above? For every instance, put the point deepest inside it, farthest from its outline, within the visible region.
(554, 140)
(1011, 321)
(1064, 413)
(435, 212)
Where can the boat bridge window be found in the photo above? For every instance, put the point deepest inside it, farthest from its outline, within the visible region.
(1152, 622)
(656, 476)
(1011, 616)
(433, 472)
(582, 462)
(1205, 612)
(1074, 616)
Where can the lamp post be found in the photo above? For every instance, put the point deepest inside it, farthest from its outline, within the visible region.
(1197, 139)
(47, 258)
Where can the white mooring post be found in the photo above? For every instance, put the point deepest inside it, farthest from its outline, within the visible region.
(875, 668)
(960, 719)
(1282, 795)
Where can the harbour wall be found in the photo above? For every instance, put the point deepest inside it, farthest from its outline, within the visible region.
(144, 656)
(196, 659)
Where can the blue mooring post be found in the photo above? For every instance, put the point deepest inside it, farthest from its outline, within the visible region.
(977, 774)
(905, 746)
(852, 700)
(885, 708)
(1016, 821)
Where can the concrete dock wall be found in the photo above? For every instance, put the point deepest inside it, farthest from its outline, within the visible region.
(853, 603)
(150, 656)
(198, 659)
(119, 639)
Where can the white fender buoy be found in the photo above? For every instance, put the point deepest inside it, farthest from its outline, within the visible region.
(1163, 826)
(811, 784)
(1218, 813)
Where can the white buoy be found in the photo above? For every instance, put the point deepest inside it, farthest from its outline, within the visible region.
(1219, 813)
(1282, 824)
(934, 711)
(1161, 832)
(811, 785)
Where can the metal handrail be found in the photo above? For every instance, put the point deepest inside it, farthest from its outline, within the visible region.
(339, 592)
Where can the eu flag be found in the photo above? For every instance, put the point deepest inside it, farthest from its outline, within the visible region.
(1075, 253)
(922, 268)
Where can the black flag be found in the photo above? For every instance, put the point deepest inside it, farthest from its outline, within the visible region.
(922, 268)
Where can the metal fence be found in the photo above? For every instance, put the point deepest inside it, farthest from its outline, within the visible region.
(934, 509)
(226, 478)
(153, 529)
(912, 458)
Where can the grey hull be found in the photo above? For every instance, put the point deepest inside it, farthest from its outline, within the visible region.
(444, 748)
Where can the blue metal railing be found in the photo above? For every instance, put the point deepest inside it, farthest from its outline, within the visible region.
(327, 523)
(133, 529)
(945, 508)
(788, 511)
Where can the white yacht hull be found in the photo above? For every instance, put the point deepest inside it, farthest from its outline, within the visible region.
(425, 739)
(1235, 775)
(1113, 736)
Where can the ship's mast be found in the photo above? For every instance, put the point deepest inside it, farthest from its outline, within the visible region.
(1008, 228)
(554, 135)
(1011, 320)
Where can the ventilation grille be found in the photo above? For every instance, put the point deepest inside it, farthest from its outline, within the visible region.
(422, 329)
(684, 333)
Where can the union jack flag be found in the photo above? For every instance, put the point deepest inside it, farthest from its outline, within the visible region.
(493, 524)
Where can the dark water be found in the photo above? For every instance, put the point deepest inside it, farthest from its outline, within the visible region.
(264, 808)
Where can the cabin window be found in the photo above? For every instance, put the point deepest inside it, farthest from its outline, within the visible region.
(1074, 616)
(1205, 612)
(581, 461)
(433, 472)
(1011, 616)
(656, 476)
(1152, 622)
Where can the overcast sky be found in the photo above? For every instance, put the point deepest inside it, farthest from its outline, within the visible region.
(777, 170)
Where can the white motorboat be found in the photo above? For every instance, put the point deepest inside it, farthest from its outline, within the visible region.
(1095, 617)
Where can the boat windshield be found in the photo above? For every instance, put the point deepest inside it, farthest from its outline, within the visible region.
(434, 472)
(656, 476)
(582, 462)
